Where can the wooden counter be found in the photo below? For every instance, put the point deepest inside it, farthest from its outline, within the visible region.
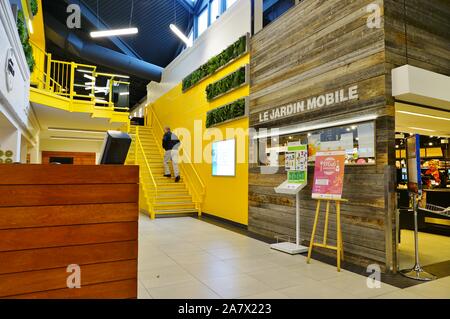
(52, 216)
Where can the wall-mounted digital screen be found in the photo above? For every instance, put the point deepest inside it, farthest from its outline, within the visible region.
(224, 158)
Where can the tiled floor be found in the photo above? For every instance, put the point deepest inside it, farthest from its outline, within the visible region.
(433, 249)
(187, 258)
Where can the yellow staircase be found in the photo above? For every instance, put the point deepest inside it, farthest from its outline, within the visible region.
(159, 195)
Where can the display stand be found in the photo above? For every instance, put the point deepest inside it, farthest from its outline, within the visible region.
(288, 247)
(339, 246)
(417, 271)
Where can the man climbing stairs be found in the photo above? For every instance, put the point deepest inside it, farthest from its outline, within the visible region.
(159, 195)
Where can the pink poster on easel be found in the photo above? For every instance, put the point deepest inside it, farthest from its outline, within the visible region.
(328, 175)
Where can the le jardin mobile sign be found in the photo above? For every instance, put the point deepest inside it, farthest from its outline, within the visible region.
(311, 104)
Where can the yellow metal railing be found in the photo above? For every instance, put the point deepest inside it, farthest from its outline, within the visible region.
(58, 77)
(141, 160)
(192, 179)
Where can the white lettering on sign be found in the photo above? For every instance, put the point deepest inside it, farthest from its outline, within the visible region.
(311, 104)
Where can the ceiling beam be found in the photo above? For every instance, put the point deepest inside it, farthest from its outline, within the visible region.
(90, 15)
(187, 4)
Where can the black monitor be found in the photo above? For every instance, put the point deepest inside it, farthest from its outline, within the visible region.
(115, 148)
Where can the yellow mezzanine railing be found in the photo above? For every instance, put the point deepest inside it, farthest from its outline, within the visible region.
(192, 179)
(141, 158)
(53, 84)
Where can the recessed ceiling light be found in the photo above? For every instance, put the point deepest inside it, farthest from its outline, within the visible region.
(57, 129)
(110, 33)
(85, 71)
(421, 129)
(425, 115)
(69, 138)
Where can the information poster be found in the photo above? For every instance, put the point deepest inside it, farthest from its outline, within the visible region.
(413, 158)
(296, 163)
(366, 140)
(328, 175)
(224, 158)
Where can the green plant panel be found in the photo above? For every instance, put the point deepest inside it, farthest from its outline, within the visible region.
(226, 84)
(225, 113)
(232, 52)
(34, 7)
(23, 34)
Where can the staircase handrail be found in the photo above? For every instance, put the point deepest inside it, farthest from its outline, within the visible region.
(140, 148)
(58, 77)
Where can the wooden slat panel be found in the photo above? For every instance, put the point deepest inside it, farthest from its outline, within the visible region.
(124, 289)
(52, 216)
(315, 48)
(79, 158)
(30, 238)
(47, 258)
(42, 280)
(44, 195)
(61, 174)
(41, 216)
(427, 34)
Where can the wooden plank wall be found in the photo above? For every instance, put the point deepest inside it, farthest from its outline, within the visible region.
(79, 158)
(424, 41)
(52, 216)
(316, 47)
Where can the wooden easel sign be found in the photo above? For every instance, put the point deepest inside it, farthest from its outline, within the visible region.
(327, 187)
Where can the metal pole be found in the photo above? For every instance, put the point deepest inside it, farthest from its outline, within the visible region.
(416, 233)
(417, 271)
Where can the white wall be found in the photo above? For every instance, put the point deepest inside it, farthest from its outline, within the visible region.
(234, 23)
(10, 141)
(14, 102)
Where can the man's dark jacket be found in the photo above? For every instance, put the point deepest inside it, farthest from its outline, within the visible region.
(169, 141)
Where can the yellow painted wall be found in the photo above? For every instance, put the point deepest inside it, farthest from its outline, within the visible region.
(226, 197)
(38, 36)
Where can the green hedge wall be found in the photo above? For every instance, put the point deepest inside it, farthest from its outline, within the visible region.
(228, 83)
(225, 113)
(23, 34)
(230, 53)
(34, 7)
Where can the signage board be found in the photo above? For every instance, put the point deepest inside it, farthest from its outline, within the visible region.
(296, 163)
(313, 103)
(328, 175)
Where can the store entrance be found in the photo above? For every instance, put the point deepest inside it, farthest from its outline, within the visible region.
(434, 229)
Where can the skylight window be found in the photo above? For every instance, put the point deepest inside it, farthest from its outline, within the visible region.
(215, 10)
(202, 21)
